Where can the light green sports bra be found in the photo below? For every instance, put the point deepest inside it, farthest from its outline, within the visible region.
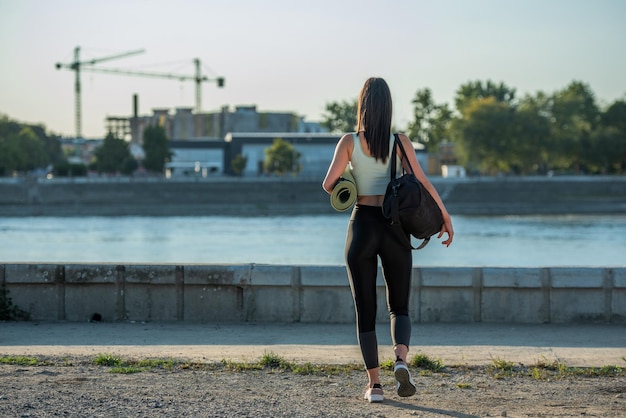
(371, 176)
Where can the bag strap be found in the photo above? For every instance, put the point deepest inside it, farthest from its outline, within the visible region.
(398, 144)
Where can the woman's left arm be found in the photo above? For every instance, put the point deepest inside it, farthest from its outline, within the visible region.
(421, 176)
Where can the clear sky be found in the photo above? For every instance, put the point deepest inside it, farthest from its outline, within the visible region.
(286, 55)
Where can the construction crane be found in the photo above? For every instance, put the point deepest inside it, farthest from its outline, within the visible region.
(76, 66)
(198, 78)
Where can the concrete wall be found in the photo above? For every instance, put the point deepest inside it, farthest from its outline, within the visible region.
(292, 195)
(273, 293)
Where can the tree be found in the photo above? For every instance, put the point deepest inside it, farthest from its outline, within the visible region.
(340, 117)
(475, 90)
(113, 156)
(238, 164)
(33, 150)
(25, 147)
(532, 135)
(281, 158)
(156, 147)
(575, 115)
(431, 121)
(484, 135)
(611, 138)
(22, 152)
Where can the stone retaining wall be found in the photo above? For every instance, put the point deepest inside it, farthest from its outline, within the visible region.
(292, 195)
(275, 293)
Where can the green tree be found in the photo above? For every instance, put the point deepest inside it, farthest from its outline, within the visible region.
(281, 158)
(113, 156)
(340, 116)
(531, 138)
(238, 164)
(610, 139)
(22, 152)
(67, 169)
(575, 115)
(9, 154)
(33, 150)
(485, 135)
(156, 148)
(475, 90)
(430, 121)
(25, 147)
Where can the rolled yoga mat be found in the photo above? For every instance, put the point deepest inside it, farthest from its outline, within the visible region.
(344, 192)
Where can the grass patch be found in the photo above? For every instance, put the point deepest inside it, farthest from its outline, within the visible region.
(464, 385)
(127, 369)
(109, 360)
(500, 368)
(240, 366)
(547, 370)
(156, 363)
(388, 364)
(19, 360)
(274, 361)
(125, 366)
(425, 362)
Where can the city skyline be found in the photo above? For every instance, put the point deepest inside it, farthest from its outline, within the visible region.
(288, 57)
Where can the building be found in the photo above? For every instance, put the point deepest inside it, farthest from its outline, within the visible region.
(316, 150)
(211, 157)
(183, 124)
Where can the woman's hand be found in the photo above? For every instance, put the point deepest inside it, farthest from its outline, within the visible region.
(446, 228)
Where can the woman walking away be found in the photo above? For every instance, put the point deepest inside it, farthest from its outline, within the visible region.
(370, 235)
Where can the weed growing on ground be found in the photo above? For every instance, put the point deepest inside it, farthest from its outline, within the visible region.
(20, 361)
(425, 362)
(119, 365)
(274, 361)
(388, 364)
(499, 369)
(8, 311)
(109, 360)
(240, 366)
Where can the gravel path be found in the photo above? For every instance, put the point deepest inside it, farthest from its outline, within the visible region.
(77, 387)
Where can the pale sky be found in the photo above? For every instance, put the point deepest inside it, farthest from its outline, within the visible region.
(296, 56)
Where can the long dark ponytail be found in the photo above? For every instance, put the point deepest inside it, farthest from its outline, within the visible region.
(374, 116)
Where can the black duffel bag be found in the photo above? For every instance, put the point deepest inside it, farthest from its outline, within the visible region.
(409, 206)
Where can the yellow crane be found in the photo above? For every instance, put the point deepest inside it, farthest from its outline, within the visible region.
(77, 65)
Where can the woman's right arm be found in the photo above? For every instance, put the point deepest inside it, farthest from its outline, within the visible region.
(343, 151)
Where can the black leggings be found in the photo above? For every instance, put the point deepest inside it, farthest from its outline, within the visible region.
(369, 237)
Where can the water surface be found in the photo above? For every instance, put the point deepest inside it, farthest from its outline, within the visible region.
(510, 241)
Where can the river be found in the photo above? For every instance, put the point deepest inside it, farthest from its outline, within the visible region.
(508, 241)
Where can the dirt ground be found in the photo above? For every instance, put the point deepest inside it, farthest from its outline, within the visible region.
(77, 387)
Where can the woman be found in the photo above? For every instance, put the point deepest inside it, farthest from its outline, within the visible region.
(370, 236)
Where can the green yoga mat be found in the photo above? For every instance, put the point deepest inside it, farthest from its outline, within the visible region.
(344, 193)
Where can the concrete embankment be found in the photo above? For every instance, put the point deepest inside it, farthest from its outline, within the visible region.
(263, 196)
(310, 294)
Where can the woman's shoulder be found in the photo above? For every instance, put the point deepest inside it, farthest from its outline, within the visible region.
(347, 138)
(402, 136)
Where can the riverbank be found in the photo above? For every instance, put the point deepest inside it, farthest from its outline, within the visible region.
(290, 196)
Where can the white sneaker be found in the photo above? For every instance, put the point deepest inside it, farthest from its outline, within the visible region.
(374, 395)
(406, 385)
